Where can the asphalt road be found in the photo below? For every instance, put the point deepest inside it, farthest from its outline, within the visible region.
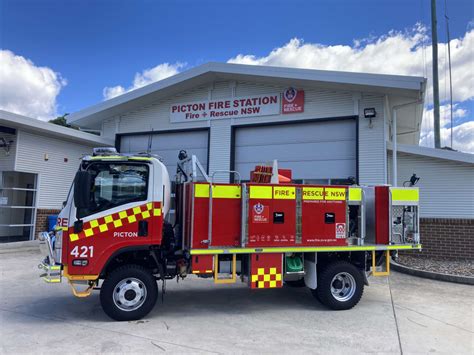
(400, 314)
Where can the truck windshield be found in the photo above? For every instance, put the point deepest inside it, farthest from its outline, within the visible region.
(115, 184)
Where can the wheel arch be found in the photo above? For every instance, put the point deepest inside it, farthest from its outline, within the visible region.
(137, 254)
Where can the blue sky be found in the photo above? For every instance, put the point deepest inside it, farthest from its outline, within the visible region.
(92, 45)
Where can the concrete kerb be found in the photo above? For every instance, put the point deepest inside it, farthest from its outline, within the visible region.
(30, 245)
(467, 280)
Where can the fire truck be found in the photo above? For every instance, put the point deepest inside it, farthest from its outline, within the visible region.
(122, 231)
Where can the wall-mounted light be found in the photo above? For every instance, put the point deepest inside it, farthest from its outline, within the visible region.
(5, 145)
(370, 113)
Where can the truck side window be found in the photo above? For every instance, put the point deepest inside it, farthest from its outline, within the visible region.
(116, 184)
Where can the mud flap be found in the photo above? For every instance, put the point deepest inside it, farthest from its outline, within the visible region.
(311, 275)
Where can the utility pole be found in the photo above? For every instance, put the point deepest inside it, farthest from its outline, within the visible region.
(434, 45)
(449, 62)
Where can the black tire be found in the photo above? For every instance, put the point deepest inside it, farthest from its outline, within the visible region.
(296, 283)
(120, 286)
(346, 278)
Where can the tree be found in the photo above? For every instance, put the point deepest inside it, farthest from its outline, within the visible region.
(62, 121)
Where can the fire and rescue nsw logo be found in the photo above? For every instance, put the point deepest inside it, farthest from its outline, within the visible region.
(292, 101)
(260, 213)
(340, 230)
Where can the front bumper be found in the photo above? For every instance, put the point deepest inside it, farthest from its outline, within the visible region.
(50, 267)
(51, 274)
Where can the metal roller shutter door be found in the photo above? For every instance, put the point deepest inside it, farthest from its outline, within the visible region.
(168, 144)
(314, 150)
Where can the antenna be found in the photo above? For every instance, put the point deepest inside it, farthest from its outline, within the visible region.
(150, 140)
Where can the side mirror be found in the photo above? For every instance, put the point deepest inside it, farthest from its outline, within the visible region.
(82, 189)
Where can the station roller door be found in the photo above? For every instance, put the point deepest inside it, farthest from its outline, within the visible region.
(313, 150)
(168, 144)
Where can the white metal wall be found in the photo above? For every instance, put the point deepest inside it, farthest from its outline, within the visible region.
(319, 103)
(446, 187)
(55, 175)
(219, 149)
(372, 146)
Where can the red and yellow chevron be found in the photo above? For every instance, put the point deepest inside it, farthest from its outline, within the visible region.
(116, 220)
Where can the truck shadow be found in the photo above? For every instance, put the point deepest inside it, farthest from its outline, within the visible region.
(180, 300)
(238, 300)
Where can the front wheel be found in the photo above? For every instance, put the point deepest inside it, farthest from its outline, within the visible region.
(128, 293)
(340, 285)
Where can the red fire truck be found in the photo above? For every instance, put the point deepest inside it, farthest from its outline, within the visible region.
(116, 233)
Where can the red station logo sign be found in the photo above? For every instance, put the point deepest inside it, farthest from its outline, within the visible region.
(292, 101)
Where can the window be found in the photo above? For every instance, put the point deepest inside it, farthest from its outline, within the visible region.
(17, 206)
(115, 184)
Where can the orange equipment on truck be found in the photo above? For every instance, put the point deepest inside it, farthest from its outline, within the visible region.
(117, 232)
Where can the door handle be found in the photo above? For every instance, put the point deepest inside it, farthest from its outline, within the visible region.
(142, 228)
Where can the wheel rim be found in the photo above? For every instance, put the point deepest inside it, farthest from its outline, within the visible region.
(343, 286)
(129, 294)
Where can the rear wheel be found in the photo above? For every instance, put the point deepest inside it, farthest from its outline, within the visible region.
(340, 286)
(128, 293)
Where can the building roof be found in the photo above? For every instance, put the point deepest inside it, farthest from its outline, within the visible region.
(436, 153)
(400, 88)
(13, 120)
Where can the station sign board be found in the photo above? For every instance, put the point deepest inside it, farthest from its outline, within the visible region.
(291, 101)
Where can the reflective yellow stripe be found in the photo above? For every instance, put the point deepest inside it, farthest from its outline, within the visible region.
(261, 192)
(405, 194)
(284, 192)
(301, 249)
(218, 191)
(355, 194)
(45, 279)
(104, 157)
(201, 190)
(335, 193)
(230, 191)
(313, 193)
(139, 158)
(118, 157)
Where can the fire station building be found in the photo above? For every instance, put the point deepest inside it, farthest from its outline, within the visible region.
(325, 126)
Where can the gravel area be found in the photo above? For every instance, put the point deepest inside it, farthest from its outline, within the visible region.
(442, 266)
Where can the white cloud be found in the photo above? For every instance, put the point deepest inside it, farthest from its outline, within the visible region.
(110, 92)
(461, 132)
(403, 53)
(28, 89)
(147, 76)
(463, 137)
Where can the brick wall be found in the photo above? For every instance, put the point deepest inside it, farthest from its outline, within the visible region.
(447, 238)
(42, 219)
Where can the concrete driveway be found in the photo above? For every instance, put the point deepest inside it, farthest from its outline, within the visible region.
(402, 314)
